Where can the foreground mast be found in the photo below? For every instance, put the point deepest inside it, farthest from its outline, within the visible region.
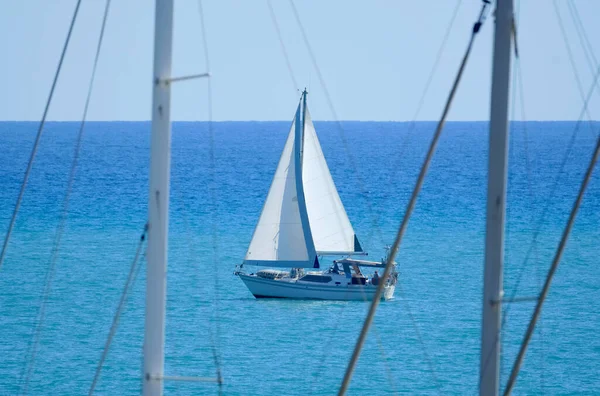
(496, 202)
(158, 202)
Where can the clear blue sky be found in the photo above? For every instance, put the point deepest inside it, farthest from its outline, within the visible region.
(375, 57)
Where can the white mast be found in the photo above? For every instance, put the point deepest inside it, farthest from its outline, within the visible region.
(496, 202)
(158, 202)
(298, 163)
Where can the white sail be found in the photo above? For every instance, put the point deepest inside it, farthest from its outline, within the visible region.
(278, 239)
(303, 214)
(331, 229)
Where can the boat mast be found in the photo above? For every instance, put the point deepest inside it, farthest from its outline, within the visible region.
(496, 202)
(303, 124)
(298, 154)
(158, 202)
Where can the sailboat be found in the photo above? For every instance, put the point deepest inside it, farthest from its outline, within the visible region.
(302, 221)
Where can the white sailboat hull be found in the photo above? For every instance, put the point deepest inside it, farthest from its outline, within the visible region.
(268, 288)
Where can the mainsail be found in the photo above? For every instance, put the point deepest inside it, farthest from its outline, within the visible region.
(303, 215)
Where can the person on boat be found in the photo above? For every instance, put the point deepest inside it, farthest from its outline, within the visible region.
(335, 268)
(375, 279)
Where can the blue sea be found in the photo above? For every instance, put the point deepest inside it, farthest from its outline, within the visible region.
(426, 341)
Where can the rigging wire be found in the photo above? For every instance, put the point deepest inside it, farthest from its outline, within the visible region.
(37, 137)
(213, 198)
(282, 45)
(339, 125)
(583, 38)
(577, 18)
(585, 43)
(413, 123)
(375, 225)
(375, 216)
(536, 314)
(213, 340)
(381, 350)
(400, 156)
(32, 349)
(322, 359)
(552, 270)
(531, 200)
(421, 102)
(519, 80)
(546, 208)
(517, 87)
(411, 204)
(131, 278)
(337, 121)
(436, 63)
(572, 62)
(553, 190)
(415, 325)
(313, 59)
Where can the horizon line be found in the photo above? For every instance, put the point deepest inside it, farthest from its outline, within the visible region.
(390, 121)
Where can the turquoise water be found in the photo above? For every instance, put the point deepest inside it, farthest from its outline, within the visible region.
(426, 341)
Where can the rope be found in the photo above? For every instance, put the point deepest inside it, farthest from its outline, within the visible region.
(131, 277)
(32, 349)
(411, 205)
(37, 138)
(552, 271)
(213, 198)
(282, 45)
